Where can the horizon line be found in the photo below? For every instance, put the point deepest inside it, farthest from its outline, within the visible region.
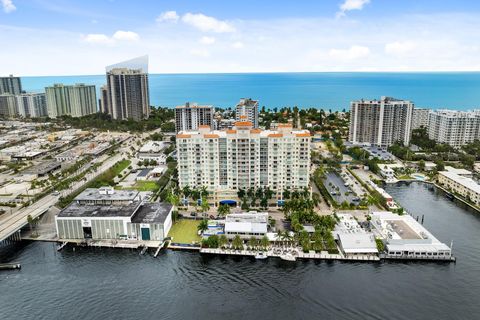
(255, 72)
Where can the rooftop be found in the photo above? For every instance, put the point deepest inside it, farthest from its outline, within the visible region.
(468, 183)
(109, 194)
(152, 213)
(246, 222)
(78, 210)
(358, 242)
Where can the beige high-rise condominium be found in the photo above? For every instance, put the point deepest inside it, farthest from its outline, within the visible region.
(225, 161)
(74, 100)
(191, 116)
(380, 122)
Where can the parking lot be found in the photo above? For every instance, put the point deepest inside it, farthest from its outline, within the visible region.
(339, 189)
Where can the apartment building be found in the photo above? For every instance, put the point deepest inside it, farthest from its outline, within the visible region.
(32, 105)
(455, 128)
(380, 122)
(191, 116)
(225, 161)
(10, 84)
(127, 90)
(8, 105)
(460, 183)
(247, 109)
(420, 118)
(74, 100)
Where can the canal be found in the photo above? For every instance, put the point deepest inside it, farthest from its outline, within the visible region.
(121, 284)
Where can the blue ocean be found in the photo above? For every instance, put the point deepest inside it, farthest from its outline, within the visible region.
(334, 91)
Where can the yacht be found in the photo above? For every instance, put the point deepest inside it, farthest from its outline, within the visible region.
(287, 257)
(261, 255)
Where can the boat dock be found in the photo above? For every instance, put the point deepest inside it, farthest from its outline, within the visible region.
(292, 254)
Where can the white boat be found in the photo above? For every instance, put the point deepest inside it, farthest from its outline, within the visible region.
(261, 255)
(287, 257)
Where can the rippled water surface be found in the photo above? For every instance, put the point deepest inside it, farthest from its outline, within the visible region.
(121, 284)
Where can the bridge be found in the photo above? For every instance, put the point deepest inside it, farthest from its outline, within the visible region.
(11, 224)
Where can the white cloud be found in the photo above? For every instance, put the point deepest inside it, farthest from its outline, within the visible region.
(352, 53)
(349, 5)
(238, 45)
(168, 16)
(281, 45)
(100, 38)
(400, 48)
(126, 36)
(97, 38)
(207, 40)
(8, 6)
(207, 24)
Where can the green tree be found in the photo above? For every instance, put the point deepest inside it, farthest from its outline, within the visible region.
(203, 225)
(244, 204)
(173, 199)
(264, 203)
(204, 206)
(252, 242)
(222, 241)
(241, 193)
(223, 210)
(264, 242)
(237, 243)
(421, 165)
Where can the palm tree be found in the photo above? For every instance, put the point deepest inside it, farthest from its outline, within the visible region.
(223, 210)
(259, 193)
(203, 225)
(237, 243)
(241, 193)
(222, 241)
(264, 203)
(264, 242)
(204, 207)
(173, 199)
(244, 204)
(251, 192)
(252, 243)
(203, 192)
(186, 191)
(306, 193)
(268, 193)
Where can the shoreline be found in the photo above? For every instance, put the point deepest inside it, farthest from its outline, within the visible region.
(271, 253)
(477, 209)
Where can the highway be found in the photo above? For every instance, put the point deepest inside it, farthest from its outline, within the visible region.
(14, 222)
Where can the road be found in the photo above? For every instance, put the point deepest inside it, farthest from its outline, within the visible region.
(12, 223)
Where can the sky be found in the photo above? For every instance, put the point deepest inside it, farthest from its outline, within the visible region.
(60, 37)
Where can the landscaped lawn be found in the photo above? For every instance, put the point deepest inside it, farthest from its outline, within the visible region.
(185, 231)
(146, 186)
